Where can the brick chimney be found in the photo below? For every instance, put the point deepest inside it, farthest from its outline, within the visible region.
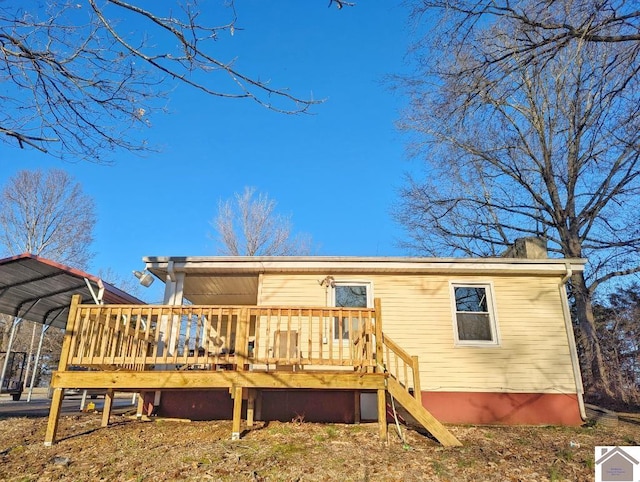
(529, 248)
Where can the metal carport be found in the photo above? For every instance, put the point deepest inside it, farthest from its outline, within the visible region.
(39, 290)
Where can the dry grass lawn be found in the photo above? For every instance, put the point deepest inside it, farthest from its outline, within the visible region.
(296, 451)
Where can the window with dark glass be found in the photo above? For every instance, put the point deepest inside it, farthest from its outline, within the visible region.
(348, 296)
(474, 319)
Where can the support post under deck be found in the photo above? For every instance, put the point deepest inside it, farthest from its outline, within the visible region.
(56, 401)
(237, 412)
(382, 414)
(54, 417)
(108, 404)
(251, 403)
(140, 407)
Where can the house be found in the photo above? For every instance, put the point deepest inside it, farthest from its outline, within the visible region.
(332, 338)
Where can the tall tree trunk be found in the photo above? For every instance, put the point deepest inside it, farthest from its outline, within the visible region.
(594, 368)
(5, 331)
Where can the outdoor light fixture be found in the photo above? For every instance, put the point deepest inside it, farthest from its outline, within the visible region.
(145, 278)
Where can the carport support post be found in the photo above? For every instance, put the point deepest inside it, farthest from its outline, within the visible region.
(56, 402)
(16, 322)
(108, 404)
(83, 400)
(37, 361)
(27, 371)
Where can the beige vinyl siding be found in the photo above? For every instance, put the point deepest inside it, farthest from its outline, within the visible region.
(533, 353)
(292, 290)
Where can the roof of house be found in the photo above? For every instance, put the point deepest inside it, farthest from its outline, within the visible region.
(160, 265)
(235, 279)
(38, 289)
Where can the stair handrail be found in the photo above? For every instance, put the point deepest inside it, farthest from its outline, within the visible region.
(409, 362)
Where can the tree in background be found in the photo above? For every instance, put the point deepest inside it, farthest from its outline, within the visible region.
(618, 326)
(78, 76)
(519, 142)
(248, 225)
(46, 214)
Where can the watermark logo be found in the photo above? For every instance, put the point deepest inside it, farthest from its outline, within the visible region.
(617, 464)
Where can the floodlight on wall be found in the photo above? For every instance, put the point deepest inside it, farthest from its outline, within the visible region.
(145, 278)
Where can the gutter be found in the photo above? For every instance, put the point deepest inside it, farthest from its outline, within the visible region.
(575, 363)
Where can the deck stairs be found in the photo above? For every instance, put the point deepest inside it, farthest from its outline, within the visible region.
(414, 414)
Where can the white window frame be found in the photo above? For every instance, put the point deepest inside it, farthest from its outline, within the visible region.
(332, 299)
(491, 311)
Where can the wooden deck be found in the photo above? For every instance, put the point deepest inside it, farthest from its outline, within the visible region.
(245, 349)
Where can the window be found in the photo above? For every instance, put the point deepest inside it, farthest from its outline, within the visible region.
(349, 295)
(474, 318)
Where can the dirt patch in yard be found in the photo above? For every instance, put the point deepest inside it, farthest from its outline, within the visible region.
(297, 451)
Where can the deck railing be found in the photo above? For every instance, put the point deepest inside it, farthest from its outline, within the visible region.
(145, 337)
(401, 366)
(197, 337)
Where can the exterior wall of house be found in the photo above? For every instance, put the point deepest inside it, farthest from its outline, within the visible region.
(533, 353)
(532, 357)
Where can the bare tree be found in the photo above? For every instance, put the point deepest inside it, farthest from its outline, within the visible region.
(544, 148)
(78, 76)
(249, 226)
(619, 333)
(47, 214)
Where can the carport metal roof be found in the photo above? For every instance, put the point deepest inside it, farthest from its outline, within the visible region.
(40, 290)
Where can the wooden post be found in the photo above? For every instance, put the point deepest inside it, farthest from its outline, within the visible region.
(356, 400)
(382, 414)
(56, 401)
(108, 404)
(379, 351)
(69, 332)
(237, 413)
(251, 401)
(140, 407)
(54, 417)
(417, 393)
(242, 339)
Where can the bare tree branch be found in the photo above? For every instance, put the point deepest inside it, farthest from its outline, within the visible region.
(249, 226)
(83, 78)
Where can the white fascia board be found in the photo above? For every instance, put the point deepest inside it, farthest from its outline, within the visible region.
(257, 265)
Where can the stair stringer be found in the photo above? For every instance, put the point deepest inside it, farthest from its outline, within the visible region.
(421, 414)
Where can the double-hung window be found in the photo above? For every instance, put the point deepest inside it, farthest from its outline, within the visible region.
(474, 318)
(349, 295)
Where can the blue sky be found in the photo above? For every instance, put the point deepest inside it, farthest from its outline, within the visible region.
(336, 172)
